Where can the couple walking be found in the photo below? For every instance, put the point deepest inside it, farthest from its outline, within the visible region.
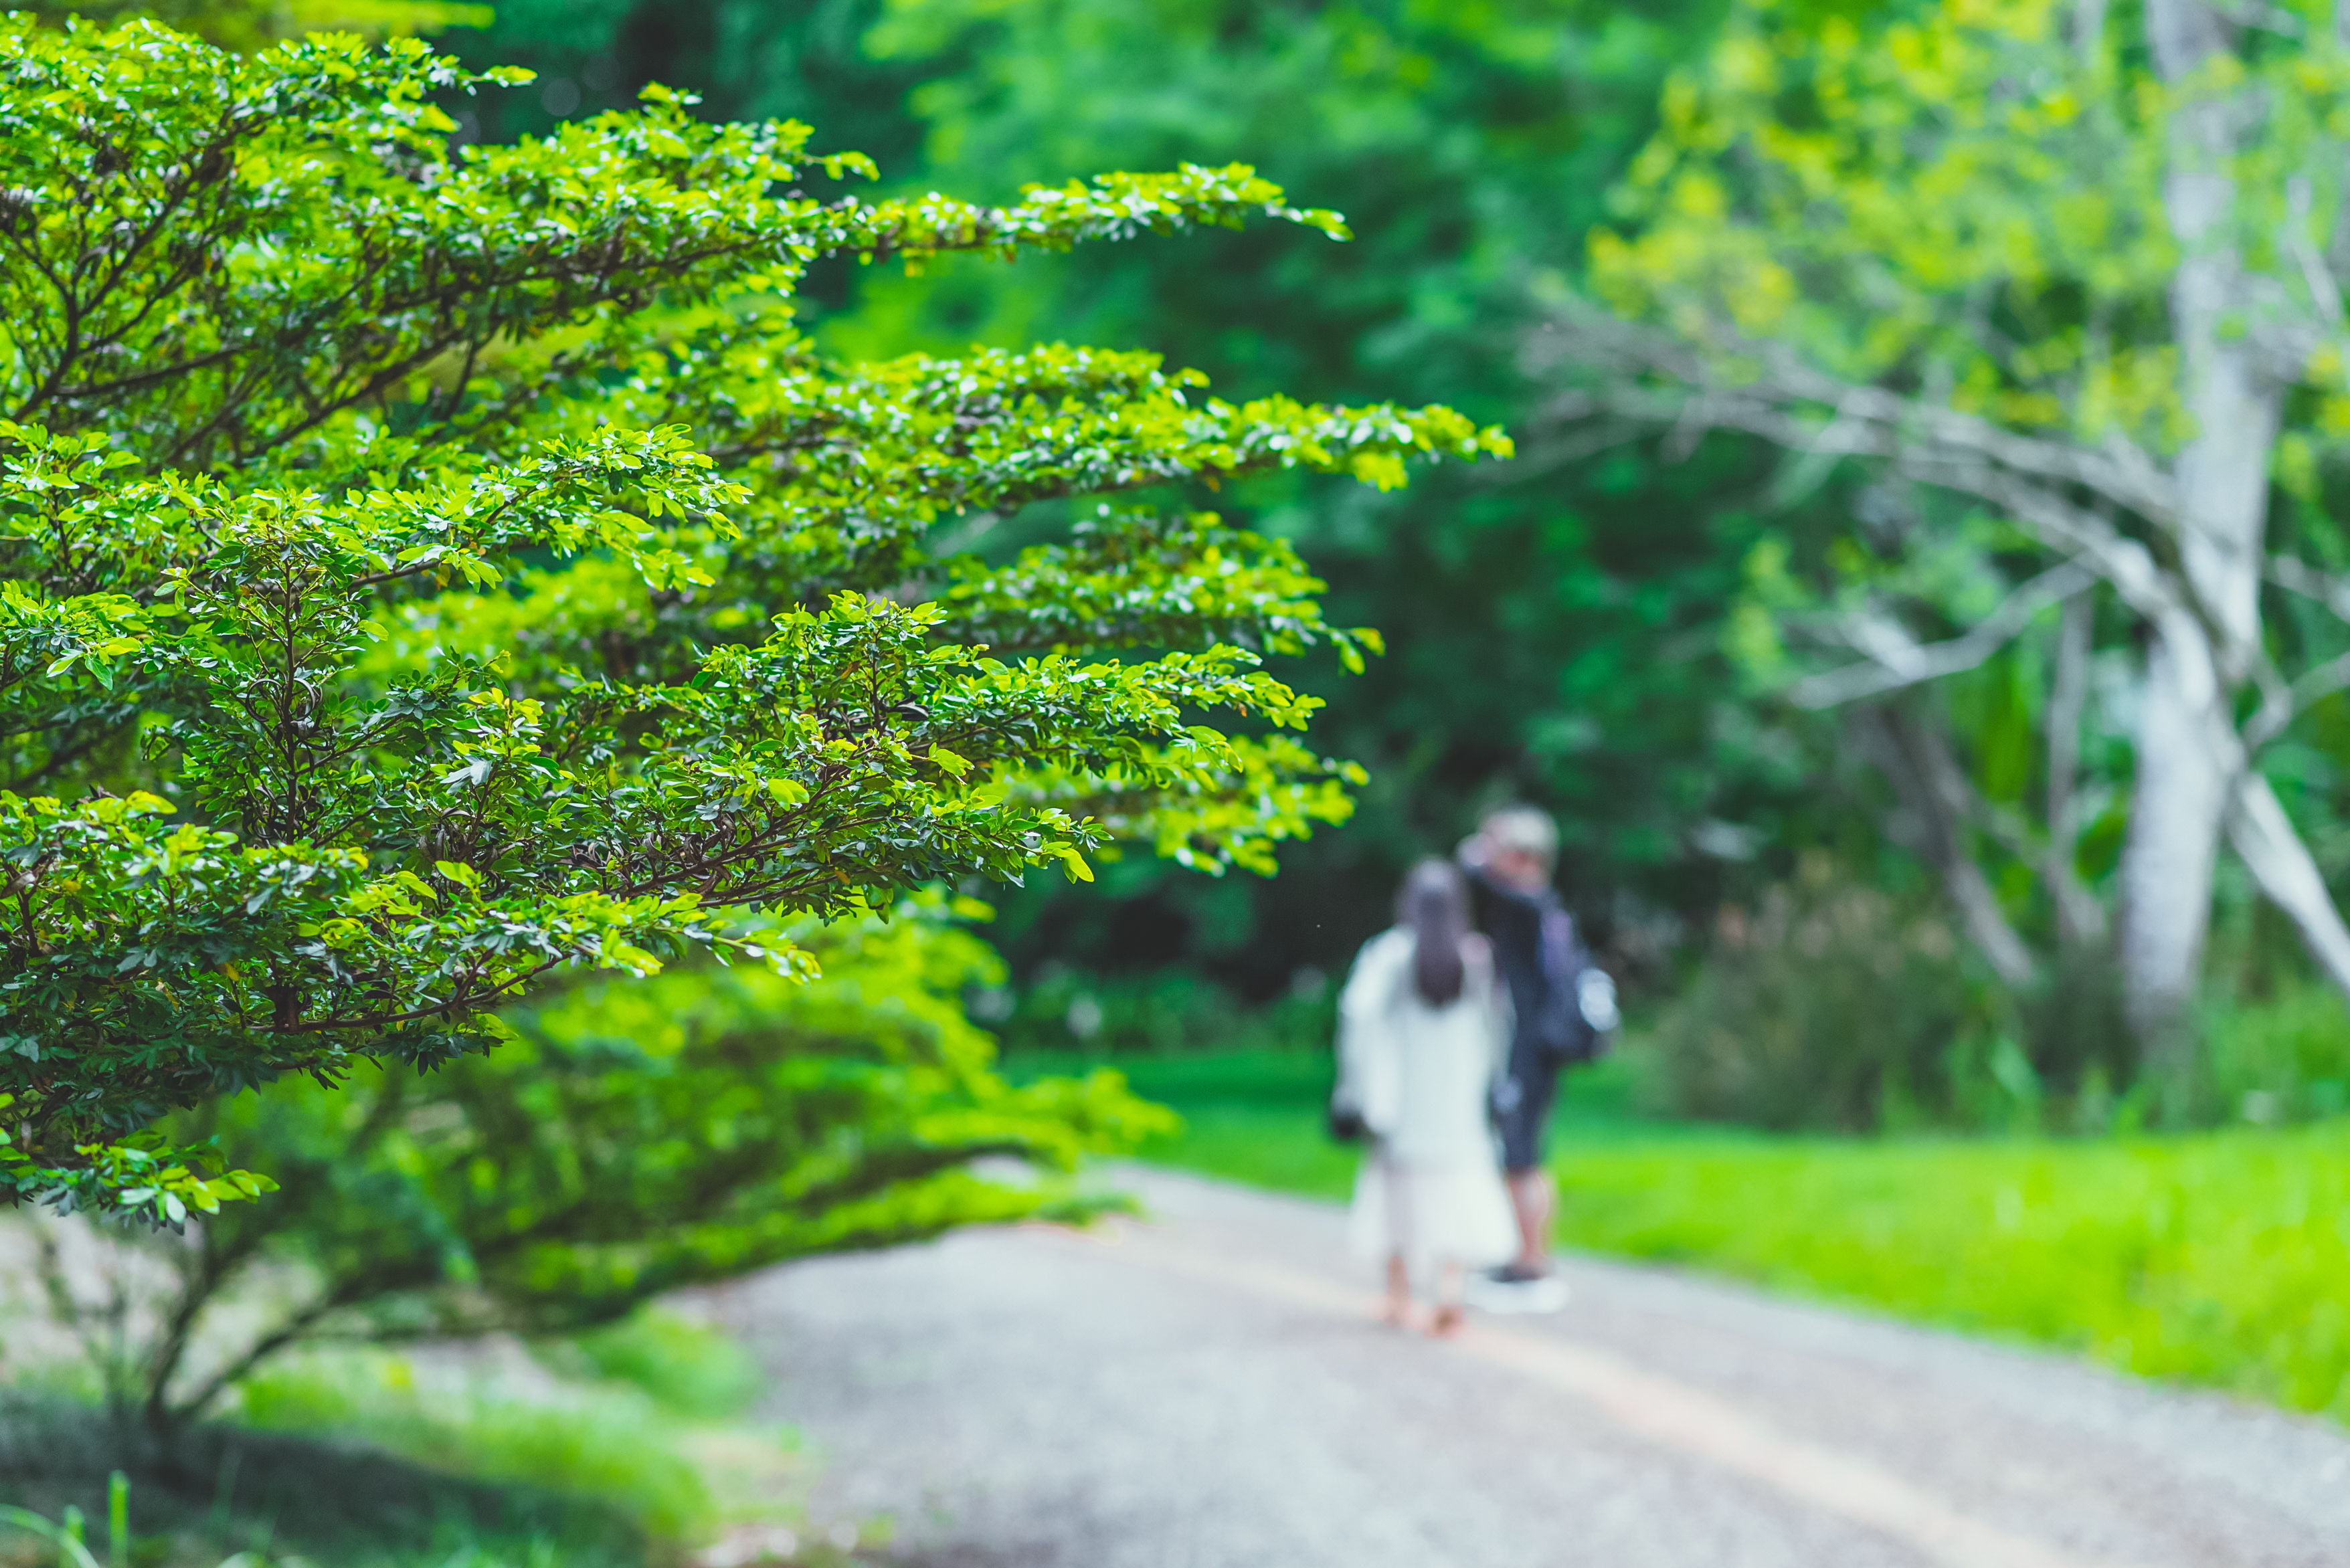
(1449, 1046)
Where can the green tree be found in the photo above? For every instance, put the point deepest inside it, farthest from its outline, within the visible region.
(433, 569)
(2066, 281)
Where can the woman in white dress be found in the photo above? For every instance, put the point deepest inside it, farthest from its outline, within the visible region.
(1421, 1025)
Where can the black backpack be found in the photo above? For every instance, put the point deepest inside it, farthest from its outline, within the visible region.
(1569, 1026)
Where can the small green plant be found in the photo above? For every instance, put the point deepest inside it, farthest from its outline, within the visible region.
(73, 1551)
(689, 1368)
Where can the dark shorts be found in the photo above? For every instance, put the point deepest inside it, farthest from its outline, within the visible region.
(1522, 1114)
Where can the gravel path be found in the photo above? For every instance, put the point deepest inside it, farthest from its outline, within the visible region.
(1207, 1389)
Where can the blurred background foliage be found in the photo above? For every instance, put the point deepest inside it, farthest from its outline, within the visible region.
(1589, 629)
(1555, 634)
(1586, 629)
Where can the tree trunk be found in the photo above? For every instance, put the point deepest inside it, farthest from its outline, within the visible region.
(2177, 807)
(2080, 921)
(2194, 661)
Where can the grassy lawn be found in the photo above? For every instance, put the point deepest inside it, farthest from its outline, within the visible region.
(2221, 1258)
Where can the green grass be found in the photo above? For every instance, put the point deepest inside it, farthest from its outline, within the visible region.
(620, 1448)
(2221, 1258)
(614, 1444)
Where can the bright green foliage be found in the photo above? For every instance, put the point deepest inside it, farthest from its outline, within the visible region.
(635, 1136)
(1946, 223)
(438, 568)
(255, 24)
(1896, 210)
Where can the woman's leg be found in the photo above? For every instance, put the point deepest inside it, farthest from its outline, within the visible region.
(1447, 1320)
(1398, 1310)
(1534, 1196)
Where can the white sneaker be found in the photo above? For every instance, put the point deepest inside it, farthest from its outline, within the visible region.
(1545, 1293)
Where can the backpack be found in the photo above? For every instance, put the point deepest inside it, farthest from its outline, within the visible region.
(1577, 1013)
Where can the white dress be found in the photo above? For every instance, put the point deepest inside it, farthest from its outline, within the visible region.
(1431, 1185)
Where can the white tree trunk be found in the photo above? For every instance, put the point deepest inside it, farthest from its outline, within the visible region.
(2177, 807)
(2080, 919)
(2184, 780)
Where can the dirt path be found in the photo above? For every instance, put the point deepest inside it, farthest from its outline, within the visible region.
(1207, 1390)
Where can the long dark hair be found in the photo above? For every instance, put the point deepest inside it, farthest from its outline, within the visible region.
(1434, 906)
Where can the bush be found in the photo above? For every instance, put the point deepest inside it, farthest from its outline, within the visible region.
(1831, 1006)
(2082, 1057)
(631, 1138)
(2282, 1059)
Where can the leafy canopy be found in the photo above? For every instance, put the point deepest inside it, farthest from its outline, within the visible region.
(432, 569)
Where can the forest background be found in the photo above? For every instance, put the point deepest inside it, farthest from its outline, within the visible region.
(1598, 628)
(1555, 635)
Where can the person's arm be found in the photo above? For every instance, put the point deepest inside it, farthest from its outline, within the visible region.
(1501, 1016)
(1469, 854)
(1364, 1038)
(1472, 856)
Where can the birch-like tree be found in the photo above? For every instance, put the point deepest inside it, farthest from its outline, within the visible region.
(2066, 283)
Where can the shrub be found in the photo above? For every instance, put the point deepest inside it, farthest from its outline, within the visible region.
(1829, 1006)
(2076, 1036)
(633, 1137)
(2284, 1058)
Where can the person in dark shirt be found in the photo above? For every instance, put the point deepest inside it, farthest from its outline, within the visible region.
(1510, 859)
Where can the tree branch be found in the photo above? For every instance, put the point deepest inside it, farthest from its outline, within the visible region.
(1896, 659)
(1913, 759)
(2265, 839)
